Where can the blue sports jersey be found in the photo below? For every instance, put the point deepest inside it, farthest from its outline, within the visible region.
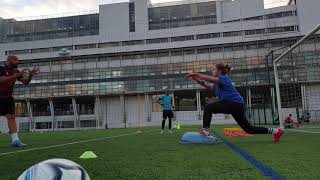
(166, 102)
(226, 92)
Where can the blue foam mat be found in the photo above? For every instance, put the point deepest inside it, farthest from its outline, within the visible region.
(196, 138)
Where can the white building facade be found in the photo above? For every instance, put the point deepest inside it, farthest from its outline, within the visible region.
(123, 57)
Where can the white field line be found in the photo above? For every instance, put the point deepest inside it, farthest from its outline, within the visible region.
(71, 143)
(303, 131)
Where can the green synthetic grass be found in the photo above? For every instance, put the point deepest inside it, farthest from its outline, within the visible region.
(159, 156)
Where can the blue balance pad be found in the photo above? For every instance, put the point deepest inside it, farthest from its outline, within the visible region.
(196, 138)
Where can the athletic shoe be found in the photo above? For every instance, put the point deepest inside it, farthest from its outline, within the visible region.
(162, 131)
(18, 143)
(204, 133)
(278, 135)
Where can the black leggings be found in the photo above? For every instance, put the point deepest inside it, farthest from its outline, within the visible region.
(236, 110)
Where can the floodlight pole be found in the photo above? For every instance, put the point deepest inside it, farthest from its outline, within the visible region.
(276, 77)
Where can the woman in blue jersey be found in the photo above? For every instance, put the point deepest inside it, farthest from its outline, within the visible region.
(230, 102)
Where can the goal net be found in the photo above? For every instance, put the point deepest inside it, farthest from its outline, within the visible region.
(297, 80)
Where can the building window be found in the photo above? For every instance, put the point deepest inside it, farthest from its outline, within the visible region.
(21, 109)
(254, 32)
(85, 105)
(63, 106)
(216, 49)
(65, 124)
(17, 52)
(88, 123)
(62, 47)
(251, 45)
(40, 108)
(273, 16)
(159, 40)
(207, 98)
(192, 14)
(232, 33)
(151, 55)
(109, 44)
(281, 29)
(185, 101)
(228, 48)
(203, 51)
(43, 125)
(189, 51)
(133, 42)
(132, 24)
(176, 52)
(182, 38)
(41, 50)
(51, 28)
(208, 36)
(85, 46)
(281, 14)
(289, 28)
(253, 18)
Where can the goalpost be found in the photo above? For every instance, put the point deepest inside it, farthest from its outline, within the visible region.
(297, 81)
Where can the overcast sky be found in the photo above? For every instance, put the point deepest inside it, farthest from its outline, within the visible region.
(29, 8)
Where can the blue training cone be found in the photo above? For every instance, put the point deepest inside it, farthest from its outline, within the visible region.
(196, 138)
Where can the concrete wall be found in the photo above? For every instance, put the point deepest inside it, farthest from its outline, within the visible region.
(136, 111)
(236, 9)
(309, 14)
(114, 22)
(141, 17)
(114, 112)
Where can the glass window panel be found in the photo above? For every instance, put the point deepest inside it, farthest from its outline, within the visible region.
(185, 101)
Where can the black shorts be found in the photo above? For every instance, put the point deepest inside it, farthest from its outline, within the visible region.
(167, 114)
(7, 106)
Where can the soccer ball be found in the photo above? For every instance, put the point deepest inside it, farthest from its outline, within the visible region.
(55, 169)
(26, 74)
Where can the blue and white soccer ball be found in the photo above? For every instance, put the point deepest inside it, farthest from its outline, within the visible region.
(55, 169)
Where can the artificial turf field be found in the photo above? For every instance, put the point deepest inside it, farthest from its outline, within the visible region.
(152, 155)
